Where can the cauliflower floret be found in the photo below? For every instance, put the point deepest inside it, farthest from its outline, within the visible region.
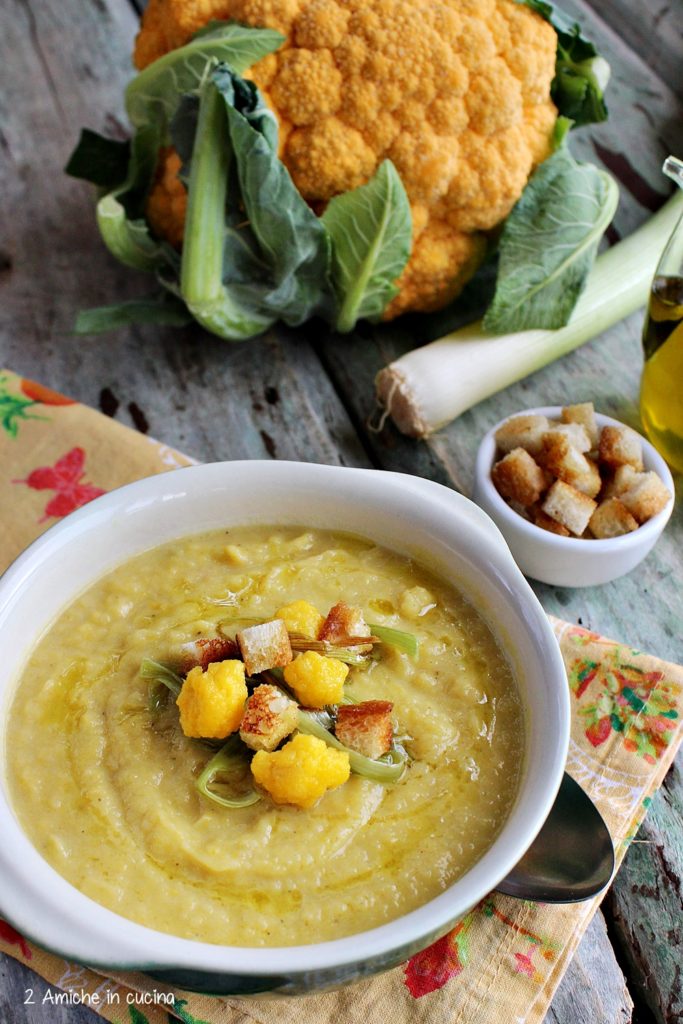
(167, 200)
(211, 702)
(316, 680)
(456, 92)
(301, 617)
(301, 772)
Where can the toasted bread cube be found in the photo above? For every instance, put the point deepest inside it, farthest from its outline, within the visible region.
(611, 519)
(570, 507)
(344, 623)
(269, 716)
(620, 446)
(622, 479)
(206, 650)
(583, 413)
(559, 457)
(575, 433)
(518, 478)
(551, 525)
(646, 496)
(265, 646)
(522, 432)
(365, 727)
(521, 510)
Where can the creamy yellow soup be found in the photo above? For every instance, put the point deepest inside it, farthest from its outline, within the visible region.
(102, 779)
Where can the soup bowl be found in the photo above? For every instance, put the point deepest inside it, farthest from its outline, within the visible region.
(431, 524)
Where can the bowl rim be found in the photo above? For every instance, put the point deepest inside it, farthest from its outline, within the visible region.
(422, 925)
(648, 530)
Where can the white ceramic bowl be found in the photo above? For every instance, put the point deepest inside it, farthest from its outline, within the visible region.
(441, 529)
(568, 561)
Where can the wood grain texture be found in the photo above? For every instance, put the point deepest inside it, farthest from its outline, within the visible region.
(299, 395)
(646, 904)
(655, 31)
(593, 989)
(264, 399)
(25, 998)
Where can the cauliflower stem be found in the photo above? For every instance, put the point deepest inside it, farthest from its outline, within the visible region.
(201, 284)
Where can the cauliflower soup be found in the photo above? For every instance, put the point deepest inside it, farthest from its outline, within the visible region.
(265, 736)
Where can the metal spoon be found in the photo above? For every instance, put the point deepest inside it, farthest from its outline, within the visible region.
(571, 858)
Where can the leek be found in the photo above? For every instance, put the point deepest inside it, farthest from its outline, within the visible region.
(430, 386)
(406, 642)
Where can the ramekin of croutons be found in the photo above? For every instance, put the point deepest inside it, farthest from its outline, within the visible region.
(580, 497)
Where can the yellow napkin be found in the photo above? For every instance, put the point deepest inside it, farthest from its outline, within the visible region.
(504, 960)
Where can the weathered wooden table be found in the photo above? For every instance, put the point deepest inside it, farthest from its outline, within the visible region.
(299, 395)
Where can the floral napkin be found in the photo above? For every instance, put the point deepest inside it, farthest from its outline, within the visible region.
(504, 960)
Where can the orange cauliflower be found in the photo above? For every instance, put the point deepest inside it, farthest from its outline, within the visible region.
(211, 702)
(316, 680)
(301, 772)
(455, 92)
(301, 617)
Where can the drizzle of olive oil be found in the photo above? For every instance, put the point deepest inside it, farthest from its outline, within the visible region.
(661, 394)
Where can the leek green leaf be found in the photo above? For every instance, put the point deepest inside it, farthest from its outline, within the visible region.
(162, 309)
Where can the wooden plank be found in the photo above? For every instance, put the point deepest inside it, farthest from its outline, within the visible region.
(593, 988)
(654, 30)
(646, 904)
(644, 125)
(26, 998)
(263, 399)
(212, 399)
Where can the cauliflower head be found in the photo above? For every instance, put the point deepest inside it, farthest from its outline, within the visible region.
(455, 92)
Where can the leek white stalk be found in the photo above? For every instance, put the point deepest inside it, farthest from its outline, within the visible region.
(430, 386)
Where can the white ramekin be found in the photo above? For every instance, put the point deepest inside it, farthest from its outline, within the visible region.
(568, 561)
(426, 521)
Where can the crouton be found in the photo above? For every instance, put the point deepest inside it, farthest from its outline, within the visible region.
(316, 680)
(575, 433)
(365, 727)
(646, 496)
(265, 646)
(560, 458)
(206, 650)
(211, 702)
(622, 479)
(551, 525)
(301, 772)
(611, 519)
(522, 432)
(620, 446)
(570, 507)
(301, 617)
(518, 478)
(344, 624)
(525, 513)
(582, 413)
(268, 717)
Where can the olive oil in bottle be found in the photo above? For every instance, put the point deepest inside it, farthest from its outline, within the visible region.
(661, 391)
